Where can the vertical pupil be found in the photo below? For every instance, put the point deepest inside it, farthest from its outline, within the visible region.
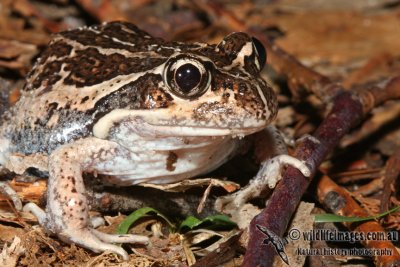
(187, 77)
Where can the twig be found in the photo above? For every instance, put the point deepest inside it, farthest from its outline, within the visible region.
(340, 202)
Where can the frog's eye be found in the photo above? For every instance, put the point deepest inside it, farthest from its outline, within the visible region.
(261, 55)
(187, 77)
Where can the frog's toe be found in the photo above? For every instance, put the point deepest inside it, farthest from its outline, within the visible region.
(115, 238)
(233, 201)
(97, 221)
(271, 171)
(36, 211)
(128, 238)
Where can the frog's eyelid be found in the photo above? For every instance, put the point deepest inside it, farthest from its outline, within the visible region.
(183, 61)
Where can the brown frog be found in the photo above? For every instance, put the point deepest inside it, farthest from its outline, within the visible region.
(113, 100)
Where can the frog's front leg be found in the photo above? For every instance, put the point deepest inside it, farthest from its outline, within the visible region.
(269, 174)
(67, 209)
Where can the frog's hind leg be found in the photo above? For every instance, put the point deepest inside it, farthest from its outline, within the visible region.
(67, 209)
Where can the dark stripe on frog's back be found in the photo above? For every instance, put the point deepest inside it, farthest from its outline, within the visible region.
(90, 67)
(58, 49)
(111, 35)
(140, 94)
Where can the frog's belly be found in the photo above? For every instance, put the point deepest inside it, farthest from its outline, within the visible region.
(166, 166)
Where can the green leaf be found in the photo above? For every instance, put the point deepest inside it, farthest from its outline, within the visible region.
(220, 220)
(320, 218)
(210, 222)
(190, 222)
(124, 226)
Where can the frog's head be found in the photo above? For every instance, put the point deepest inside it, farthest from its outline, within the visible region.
(200, 90)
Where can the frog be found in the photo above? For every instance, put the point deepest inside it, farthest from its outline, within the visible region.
(111, 99)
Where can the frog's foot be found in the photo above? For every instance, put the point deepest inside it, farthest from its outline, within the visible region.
(87, 237)
(268, 175)
(98, 242)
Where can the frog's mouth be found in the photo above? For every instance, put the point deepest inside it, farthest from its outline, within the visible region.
(167, 130)
(148, 123)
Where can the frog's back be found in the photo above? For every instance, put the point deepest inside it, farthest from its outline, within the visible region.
(82, 75)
